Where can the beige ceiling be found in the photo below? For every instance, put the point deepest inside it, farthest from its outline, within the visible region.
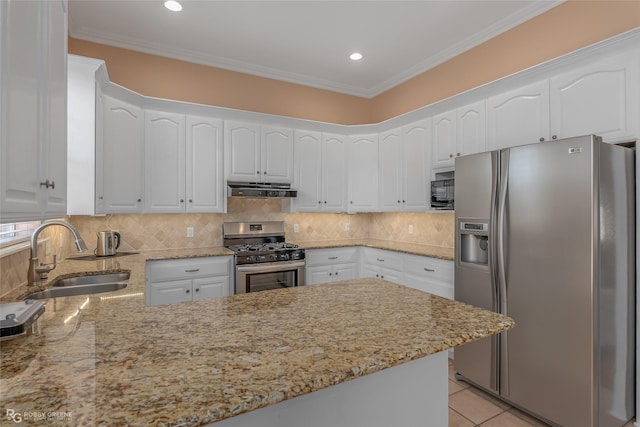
(305, 42)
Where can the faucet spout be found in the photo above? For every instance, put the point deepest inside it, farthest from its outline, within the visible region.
(36, 269)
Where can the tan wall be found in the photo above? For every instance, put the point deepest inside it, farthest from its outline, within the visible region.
(561, 30)
(167, 78)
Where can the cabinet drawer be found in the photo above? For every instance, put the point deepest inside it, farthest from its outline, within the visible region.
(188, 268)
(430, 268)
(331, 256)
(382, 258)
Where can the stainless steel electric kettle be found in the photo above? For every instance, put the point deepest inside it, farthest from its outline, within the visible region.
(108, 243)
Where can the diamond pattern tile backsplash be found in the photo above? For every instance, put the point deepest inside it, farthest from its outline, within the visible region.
(169, 231)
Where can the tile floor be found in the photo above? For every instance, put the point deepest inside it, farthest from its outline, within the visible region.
(470, 407)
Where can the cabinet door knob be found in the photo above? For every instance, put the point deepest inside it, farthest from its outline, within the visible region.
(257, 172)
(398, 201)
(181, 200)
(554, 137)
(190, 200)
(404, 201)
(450, 155)
(458, 154)
(330, 274)
(319, 201)
(139, 200)
(542, 139)
(264, 172)
(197, 289)
(336, 273)
(325, 202)
(188, 291)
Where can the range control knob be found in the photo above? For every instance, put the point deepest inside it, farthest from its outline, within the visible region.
(273, 257)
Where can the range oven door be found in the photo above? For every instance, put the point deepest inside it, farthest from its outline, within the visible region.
(269, 275)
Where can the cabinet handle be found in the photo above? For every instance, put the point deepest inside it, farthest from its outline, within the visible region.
(192, 271)
(190, 200)
(264, 172)
(404, 201)
(381, 276)
(541, 139)
(325, 202)
(554, 137)
(351, 202)
(197, 289)
(330, 274)
(48, 184)
(336, 273)
(333, 257)
(377, 275)
(100, 197)
(379, 259)
(139, 200)
(257, 172)
(181, 200)
(319, 202)
(188, 291)
(429, 270)
(398, 201)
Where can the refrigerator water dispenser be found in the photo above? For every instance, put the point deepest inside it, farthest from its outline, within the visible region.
(474, 243)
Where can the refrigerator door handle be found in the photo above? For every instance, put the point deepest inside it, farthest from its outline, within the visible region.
(501, 273)
(493, 264)
(502, 208)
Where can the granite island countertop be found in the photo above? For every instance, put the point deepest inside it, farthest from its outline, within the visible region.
(107, 359)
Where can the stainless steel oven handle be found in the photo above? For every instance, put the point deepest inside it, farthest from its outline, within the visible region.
(270, 266)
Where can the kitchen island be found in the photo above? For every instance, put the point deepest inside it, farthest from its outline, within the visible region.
(107, 359)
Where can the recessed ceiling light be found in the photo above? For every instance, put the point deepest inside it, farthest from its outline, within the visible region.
(173, 5)
(355, 56)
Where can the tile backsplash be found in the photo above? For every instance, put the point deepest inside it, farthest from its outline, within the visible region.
(169, 231)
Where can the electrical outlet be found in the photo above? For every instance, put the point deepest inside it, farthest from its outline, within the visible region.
(189, 231)
(296, 228)
(410, 228)
(347, 226)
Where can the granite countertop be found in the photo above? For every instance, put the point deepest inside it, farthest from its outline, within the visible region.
(407, 248)
(107, 359)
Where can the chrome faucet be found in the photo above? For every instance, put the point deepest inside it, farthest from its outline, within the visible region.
(37, 269)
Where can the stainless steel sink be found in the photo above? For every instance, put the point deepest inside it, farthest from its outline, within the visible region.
(91, 279)
(83, 285)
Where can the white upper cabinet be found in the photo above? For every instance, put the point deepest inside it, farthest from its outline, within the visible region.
(122, 151)
(444, 139)
(33, 117)
(416, 166)
(518, 117)
(308, 171)
(457, 133)
(391, 178)
(600, 99)
(363, 173)
(183, 164)
(320, 172)
(277, 154)
(242, 151)
(204, 163)
(471, 132)
(257, 153)
(405, 168)
(334, 173)
(164, 162)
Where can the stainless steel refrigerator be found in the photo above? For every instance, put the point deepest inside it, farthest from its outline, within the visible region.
(545, 233)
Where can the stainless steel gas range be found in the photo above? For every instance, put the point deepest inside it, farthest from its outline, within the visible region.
(264, 261)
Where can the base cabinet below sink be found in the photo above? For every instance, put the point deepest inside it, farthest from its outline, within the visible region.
(191, 279)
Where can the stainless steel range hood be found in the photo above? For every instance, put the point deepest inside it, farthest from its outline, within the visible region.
(259, 190)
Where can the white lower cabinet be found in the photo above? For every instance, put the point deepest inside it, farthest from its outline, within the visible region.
(190, 279)
(429, 275)
(419, 272)
(331, 265)
(382, 264)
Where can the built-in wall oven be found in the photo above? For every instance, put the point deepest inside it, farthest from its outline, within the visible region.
(264, 261)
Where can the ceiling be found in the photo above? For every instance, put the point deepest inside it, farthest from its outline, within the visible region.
(305, 42)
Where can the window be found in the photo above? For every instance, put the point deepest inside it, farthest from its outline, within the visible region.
(15, 232)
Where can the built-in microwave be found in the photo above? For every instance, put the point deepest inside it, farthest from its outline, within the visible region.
(442, 191)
